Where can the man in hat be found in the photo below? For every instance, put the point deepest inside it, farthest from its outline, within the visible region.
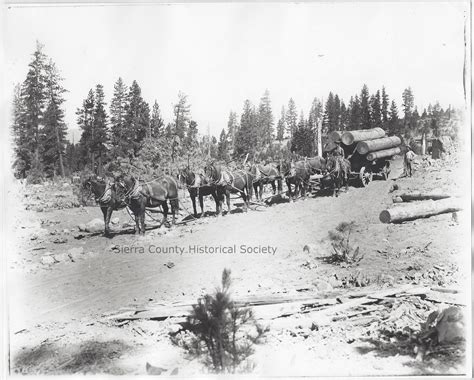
(409, 157)
(337, 151)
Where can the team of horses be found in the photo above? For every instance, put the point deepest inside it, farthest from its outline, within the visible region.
(216, 180)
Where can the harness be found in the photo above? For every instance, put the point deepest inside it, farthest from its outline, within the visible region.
(106, 197)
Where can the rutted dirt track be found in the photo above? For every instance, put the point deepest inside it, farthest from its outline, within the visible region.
(61, 306)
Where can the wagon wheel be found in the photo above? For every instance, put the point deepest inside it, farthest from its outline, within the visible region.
(365, 176)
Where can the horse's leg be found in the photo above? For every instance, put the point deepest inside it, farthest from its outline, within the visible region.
(201, 203)
(280, 186)
(193, 199)
(227, 195)
(107, 221)
(136, 214)
(174, 207)
(165, 213)
(216, 200)
(261, 190)
(288, 184)
(106, 224)
(255, 189)
(219, 201)
(245, 199)
(142, 219)
(273, 187)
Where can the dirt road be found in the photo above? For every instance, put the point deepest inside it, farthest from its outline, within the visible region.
(263, 248)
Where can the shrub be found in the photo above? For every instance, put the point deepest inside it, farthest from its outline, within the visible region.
(344, 252)
(34, 177)
(222, 333)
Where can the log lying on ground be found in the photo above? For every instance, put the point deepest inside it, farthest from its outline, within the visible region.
(383, 153)
(410, 211)
(350, 137)
(417, 196)
(367, 146)
(336, 135)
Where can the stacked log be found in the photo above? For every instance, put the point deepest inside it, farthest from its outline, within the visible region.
(335, 135)
(410, 211)
(351, 137)
(367, 146)
(384, 153)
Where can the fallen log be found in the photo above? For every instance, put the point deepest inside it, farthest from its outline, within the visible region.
(384, 153)
(409, 211)
(417, 196)
(364, 147)
(351, 137)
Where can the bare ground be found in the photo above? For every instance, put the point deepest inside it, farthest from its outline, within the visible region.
(57, 312)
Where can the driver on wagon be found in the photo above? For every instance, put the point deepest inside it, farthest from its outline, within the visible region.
(337, 151)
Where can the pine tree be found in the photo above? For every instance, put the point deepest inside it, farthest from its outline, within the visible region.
(344, 118)
(247, 136)
(222, 146)
(265, 121)
(34, 100)
(376, 110)
(315, 114)
(393, 121)
(281, 126)
(355, 120)
(337, 113)
(365, 108)
(22, 161)
(191, 136)
(85, 121)
(156, 122)
(99, 145)
(181, 112)
(232, 127)
(408, 103)
(55, 129)
(117, 117)
(385, 104)
(331, 109)
(137, 121)
(303, 139)
(291, 118)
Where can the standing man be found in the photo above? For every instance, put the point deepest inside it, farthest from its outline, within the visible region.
(409, 157)
(338, 151)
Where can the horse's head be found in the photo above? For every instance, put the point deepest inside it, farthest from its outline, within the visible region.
(185, 176)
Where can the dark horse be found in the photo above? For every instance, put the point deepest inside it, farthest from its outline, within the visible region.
(337, 173)
(106, 196)
(140, 195)
(227, 182)
(197, 186)
(298, 173)
(263, 175)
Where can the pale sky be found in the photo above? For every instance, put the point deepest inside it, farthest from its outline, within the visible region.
(222, 54)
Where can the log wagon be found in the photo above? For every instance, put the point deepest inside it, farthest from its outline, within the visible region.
(370, 152)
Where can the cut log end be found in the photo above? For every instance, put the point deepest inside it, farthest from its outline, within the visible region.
(385, 216)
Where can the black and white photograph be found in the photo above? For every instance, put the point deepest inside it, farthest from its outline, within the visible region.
(267, 189)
